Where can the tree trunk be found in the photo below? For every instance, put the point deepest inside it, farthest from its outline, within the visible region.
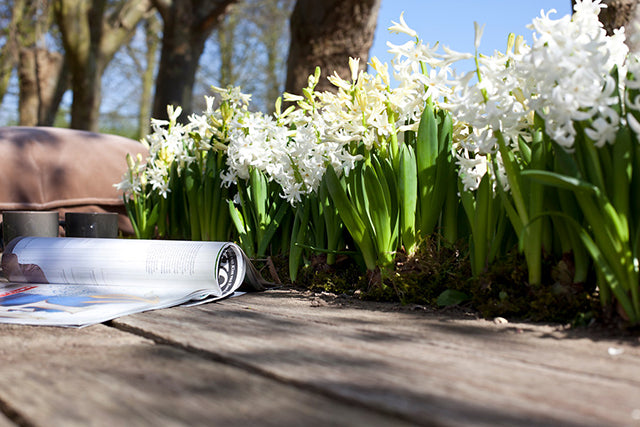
(10, 50)
(152, 29)
(187, 25)
(80, 23)
(276, 12)
(29, 102)
(621, 13)
(91, 38)
(271, 72)
(226, 39)
(325, 34)
(252, 44)
(41, 75)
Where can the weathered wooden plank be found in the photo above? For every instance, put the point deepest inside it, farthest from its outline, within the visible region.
(555, 347)
(424, 370)
(103, 376)
(6, 422)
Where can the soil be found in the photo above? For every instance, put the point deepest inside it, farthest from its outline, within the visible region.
(595, 330)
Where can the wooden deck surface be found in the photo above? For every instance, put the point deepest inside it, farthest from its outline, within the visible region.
(285, 358)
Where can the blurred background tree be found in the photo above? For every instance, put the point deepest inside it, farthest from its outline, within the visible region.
(325, 34)
(42, 72)
(92, 33)
(110, 65)
(187, 25)
(252, 46)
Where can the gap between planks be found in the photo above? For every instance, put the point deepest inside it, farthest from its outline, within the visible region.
(265, 373)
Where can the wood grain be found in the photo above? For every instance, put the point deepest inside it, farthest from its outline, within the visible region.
(103, 376)
(422, 367)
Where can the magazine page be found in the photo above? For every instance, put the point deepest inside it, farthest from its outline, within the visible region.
(78, 282)
(77, 306)
(216, 266)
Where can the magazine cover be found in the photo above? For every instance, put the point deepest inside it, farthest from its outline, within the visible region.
(80, 281)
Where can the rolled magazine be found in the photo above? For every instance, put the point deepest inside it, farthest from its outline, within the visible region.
(81, 281)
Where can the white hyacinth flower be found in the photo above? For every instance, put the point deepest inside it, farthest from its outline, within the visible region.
(402, 27)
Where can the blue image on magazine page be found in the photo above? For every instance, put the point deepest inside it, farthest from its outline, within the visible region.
(31, 301)
(20, 301)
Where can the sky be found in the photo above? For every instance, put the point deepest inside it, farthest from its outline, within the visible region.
(451, 22)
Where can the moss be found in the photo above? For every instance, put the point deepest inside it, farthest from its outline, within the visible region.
(434, 268)
(417, 279)
(502, 290)
(343, 277)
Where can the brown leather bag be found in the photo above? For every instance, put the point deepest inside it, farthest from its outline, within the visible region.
(46, 168)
